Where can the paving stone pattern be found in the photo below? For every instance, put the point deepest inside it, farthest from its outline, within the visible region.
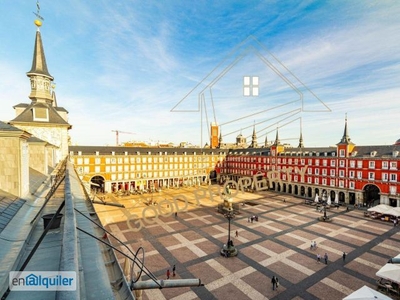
(278, 244)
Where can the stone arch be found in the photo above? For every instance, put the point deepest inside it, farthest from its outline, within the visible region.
(97, 183)
(371, 194)
(302, 191)
(309, 192)
(342, 197)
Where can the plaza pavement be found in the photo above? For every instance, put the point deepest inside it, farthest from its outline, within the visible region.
(278, 244)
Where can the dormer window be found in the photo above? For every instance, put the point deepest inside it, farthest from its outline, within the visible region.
(354, 153)
(373, 153)
(395, 153)
(41, 114)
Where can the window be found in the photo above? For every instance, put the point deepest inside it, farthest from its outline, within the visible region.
(393, 177)
(316, 171)
(324, 162)
(250, 86)
(371, 175)
(332, 172)
(385, 165)
(333, 163)
(385, 177)
(359, 164)
(341, 163)
(351, 185)
(317, 162)
(324, 181)
(316, 181)
(341, 153)
(341, 183)
(359, 175)
(371, 164)
(352, 164)
(341, 173)
(324, 172)
(40, 114)
(393, 165)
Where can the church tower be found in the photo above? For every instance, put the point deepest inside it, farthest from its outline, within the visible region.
(42, 117)
(345, 146)
(254, 138)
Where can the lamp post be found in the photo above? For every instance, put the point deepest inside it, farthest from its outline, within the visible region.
(324, 203)
(229, 249)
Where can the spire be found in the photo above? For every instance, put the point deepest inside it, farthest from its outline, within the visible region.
(254, 138)
(301, 145)
(266, 142)
(345, 139)
(277, 141)
(39, 66)
(39, 74)
(220, 139)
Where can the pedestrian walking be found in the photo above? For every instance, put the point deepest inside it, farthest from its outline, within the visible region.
(236, 234)
(326, 258)
(168, 273)
(274, 281)
(315, 245)
(173, 271)
(344, 256)
(312, 245)
(318, 258)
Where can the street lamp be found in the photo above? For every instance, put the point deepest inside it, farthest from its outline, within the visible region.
(324, 203)
(229, 249)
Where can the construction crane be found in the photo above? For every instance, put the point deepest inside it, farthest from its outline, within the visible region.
(117, 132)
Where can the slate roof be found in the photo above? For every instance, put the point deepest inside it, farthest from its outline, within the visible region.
(8, 127)
(27, 115)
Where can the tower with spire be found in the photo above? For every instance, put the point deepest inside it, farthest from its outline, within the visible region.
(42, 117)
(254, 138)
(345, 146)
(277, 147)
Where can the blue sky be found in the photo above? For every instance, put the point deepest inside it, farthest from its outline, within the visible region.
(124, 65)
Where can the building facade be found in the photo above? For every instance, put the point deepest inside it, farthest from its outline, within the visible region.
(361, 175)
(110, 169)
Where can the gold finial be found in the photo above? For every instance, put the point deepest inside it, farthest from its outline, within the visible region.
(38, 22)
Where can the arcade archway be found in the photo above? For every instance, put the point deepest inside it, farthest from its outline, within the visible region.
(97, 184)
(371, 194)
